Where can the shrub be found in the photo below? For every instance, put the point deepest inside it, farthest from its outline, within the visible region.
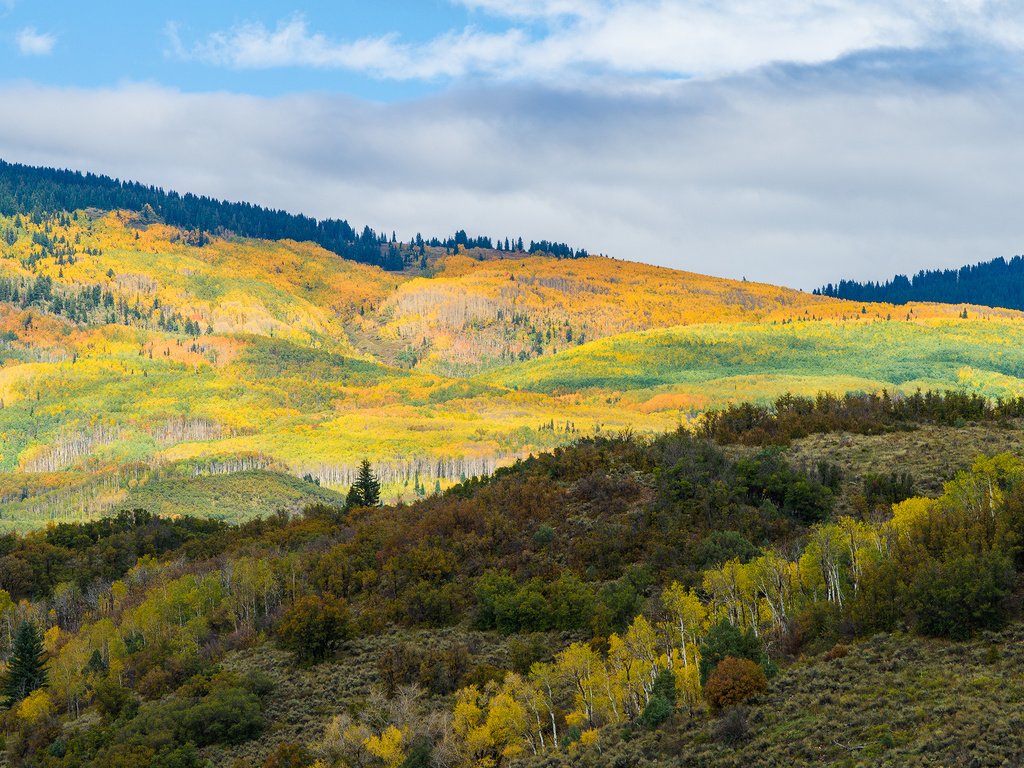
(732, 727)
(838, 651)
(314, 627)
(228, 715)
(114, 700)
(720, 547)
(733, 682)
(288, 755)
(657, 711)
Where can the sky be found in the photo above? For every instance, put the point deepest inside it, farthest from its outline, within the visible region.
(788, 142)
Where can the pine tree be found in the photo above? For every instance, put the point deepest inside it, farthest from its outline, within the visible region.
(365, 491)
(26, 669)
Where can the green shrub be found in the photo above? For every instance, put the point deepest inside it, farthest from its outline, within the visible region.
(314, 627)
(956, 597)
(657, 711)
(724, 640)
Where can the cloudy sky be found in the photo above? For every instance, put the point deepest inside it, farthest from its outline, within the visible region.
(791, 142)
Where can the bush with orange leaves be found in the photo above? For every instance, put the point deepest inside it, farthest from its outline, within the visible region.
(733, 682)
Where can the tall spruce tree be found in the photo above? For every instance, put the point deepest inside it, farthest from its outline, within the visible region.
(26, 669)
(365, 491)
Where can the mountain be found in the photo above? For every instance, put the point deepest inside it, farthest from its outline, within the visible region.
(36, 191)
(996, 283)
(135, 352)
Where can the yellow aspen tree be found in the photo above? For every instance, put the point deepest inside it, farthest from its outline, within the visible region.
(546, 678)
(578, 664)
(386, 747)
(688, 613)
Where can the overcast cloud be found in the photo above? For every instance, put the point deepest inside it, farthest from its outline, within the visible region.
(665, 132)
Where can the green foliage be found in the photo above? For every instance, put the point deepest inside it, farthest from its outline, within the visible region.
(720, 547)
(314, 627)
(768, 477)
(662, 702)
(726, 640)
(26, 667)
(957, 597)
(657, 711)
(114, 700)
(365, 491)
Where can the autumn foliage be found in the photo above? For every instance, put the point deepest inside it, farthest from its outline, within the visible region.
(734, 682)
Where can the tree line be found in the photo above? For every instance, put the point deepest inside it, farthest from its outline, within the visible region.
(36, 191)
(792, 417)
(996, 283)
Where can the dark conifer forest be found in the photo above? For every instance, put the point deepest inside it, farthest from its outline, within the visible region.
(996, 283)
(27, 190)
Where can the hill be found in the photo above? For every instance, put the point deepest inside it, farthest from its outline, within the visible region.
(707, 365)
(132, 349)
(578, 608)
(996, 283)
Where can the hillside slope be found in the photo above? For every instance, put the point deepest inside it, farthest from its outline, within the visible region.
(132, 349)
(711, 364)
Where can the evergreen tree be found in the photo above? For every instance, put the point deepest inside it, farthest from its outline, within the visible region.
(365, 491)
(26, 669)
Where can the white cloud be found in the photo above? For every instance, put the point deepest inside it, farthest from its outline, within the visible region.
(799, 181)
(550, 40)
(33, 43)
(292, 44)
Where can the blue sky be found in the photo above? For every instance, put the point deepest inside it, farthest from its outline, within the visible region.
(102, 44)
(791, 142)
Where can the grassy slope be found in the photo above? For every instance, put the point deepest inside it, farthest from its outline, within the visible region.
(932, 703)
(235, 496)
(893, 701)
(713, 364)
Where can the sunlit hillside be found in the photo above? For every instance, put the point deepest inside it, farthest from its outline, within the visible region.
(135, 354)
(471, 314)
(702, 366)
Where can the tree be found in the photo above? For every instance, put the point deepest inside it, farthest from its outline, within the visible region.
(365, 491)
(26, 669)
(724, 640)
(314, 627)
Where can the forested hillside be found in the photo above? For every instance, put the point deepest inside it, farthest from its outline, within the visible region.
(996, 283)
(621, 601)
(138, 357)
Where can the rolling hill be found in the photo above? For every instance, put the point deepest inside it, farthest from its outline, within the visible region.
(132, 350)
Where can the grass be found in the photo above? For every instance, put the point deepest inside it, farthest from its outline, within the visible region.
(236, 496)
(751, 361)
(932, 703)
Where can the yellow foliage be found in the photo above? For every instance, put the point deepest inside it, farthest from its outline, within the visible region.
(387, 747)
(907, 515)
(590, 738)
(35, 707)
(52, 639)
